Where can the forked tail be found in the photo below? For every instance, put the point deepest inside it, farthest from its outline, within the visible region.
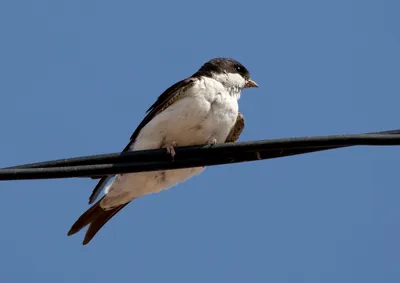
(95, 217)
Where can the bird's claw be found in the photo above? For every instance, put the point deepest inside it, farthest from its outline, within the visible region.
(171, 149)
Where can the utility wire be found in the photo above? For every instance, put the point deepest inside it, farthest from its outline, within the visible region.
(193, 156)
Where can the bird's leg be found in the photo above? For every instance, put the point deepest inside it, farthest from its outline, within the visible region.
(171, 148)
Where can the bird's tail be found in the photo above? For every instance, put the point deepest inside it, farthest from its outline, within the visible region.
(95, 217)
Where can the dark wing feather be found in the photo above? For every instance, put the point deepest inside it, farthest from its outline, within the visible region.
(99, 187)
(237, 129)
(168, 97)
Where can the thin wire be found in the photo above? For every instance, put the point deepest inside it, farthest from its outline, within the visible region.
(194, 156)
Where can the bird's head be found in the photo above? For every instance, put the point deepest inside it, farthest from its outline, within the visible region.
(228, 72)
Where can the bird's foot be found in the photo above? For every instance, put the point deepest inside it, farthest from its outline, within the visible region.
(212, 141)
(171, 148)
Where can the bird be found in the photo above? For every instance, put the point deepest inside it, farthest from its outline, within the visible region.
(201, 109)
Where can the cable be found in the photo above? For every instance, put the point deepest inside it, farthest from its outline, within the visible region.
(160, 154)
(194, 156)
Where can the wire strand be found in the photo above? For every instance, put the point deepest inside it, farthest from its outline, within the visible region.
(193, 156)
(159, 154)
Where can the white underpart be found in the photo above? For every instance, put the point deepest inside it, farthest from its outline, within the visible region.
(207, 111)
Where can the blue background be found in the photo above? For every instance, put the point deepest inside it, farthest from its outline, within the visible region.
(77, 76)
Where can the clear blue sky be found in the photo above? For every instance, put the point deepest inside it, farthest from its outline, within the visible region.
(77, 76)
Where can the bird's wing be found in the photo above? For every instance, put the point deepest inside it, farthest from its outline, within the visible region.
(237, 129)
(168, 97)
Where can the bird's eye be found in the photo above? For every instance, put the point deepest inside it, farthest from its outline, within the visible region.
(238, 68)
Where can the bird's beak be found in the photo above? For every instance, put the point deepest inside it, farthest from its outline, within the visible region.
(250, 83)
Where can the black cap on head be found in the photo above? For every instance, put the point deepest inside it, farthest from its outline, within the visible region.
(221, 65)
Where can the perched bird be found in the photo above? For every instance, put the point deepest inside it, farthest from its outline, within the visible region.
(202, 109)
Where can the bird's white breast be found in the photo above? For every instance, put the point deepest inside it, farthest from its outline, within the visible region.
(206, 111)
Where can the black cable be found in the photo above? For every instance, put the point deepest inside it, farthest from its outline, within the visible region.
(198, 151)
(207, 155)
